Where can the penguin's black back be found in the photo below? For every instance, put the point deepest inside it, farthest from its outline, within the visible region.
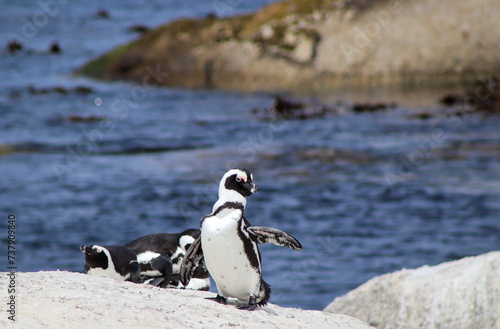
(121, 257)
(162, 243)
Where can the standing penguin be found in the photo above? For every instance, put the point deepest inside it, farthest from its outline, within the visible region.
(114, 262)
(228, 243)
(160, 256)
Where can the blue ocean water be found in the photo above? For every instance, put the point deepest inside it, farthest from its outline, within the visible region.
(366, 194)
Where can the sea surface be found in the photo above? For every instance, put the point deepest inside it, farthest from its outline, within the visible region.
(365, 194)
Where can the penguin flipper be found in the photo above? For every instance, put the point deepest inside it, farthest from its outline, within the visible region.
(261, 234)
(190, 262)
(163, 264)
(86, 268)
(134, 271)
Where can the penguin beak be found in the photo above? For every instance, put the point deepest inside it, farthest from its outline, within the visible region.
(251, 187)
(82, 248)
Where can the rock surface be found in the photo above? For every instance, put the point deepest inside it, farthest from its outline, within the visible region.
(458, 294)
(317, 44)
(74, 300)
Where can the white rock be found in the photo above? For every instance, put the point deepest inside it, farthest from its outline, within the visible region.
(458, 294)
(74, 300)
(290, 38)
(304, 49)
(266, 32)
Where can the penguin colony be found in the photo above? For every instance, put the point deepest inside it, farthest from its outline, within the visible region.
(226, 246)
(154, 259)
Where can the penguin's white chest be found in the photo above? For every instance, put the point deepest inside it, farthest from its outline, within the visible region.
(225, 256)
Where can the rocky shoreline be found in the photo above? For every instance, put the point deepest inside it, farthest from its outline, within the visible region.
(59, 299)
(458, 294)
(316, 44)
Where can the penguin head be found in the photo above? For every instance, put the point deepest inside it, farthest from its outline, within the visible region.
(187, 238)
(238, 180)
(185, 241)
(92, 249)
(235, 186)
(95, 256)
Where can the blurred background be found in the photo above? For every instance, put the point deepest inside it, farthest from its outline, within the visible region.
(370, 180)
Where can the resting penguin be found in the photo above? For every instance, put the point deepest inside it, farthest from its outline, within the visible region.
(160, 256)
(114, 262)
(228, 243)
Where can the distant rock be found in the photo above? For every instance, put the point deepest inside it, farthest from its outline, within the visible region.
(459, 294)
(139, 29)
(55, 48)
(7, 149)
(484, 96)
(32, 90)
(102, 13)
(85, 118)
(74, 300)
(14, 46)
(451, 99)
(425, 115)
(285, 109)
(371, 107)
(316, 44)
(83, 89)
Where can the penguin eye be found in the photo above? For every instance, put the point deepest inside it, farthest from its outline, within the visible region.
(241, 178)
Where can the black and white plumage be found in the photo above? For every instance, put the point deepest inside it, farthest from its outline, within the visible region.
(160, 256)
(228, 244)
(114, 262)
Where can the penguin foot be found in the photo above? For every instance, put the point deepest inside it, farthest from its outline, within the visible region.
(219, 299)
(248, 307)
(251, 306)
